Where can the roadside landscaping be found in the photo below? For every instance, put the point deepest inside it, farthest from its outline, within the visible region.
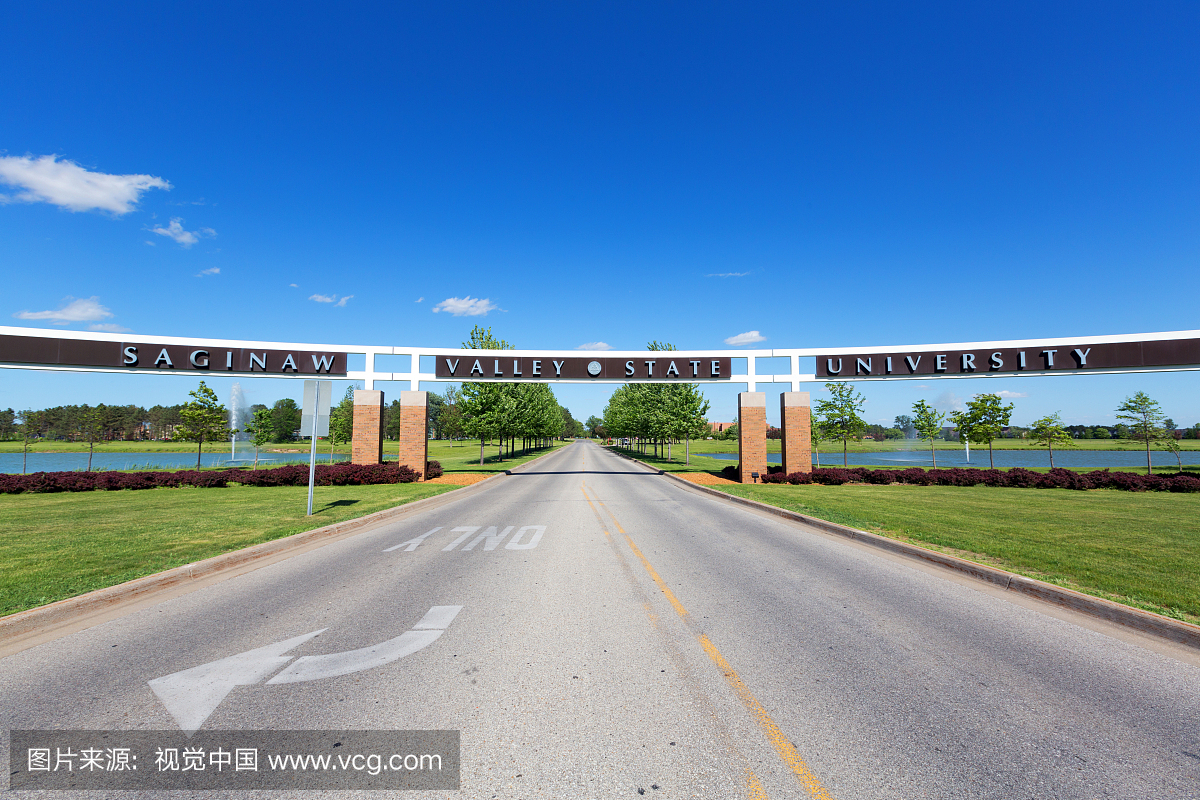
(66, 533)
(55, 546)
(726, 468)
(289, 475)
(1140, 548)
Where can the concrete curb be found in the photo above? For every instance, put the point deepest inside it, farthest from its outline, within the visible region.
(1145, 622)
(28, 628)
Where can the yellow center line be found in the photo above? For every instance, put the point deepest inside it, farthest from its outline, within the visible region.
(783, 746)
(594, 511)
(755, 789)
(679, 609)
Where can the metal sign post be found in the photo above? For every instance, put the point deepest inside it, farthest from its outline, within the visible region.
(315, 418)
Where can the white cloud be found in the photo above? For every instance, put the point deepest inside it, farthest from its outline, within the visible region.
(294, 286)
(183, 237)
(209, 271)
(68, 185)
(72, 310)
(749, 337)
(466, 306)
(727, 274)
(949, 401)
(108, 327)
(420, 300)
(331, 298)
(1006, 393)
(595, 346)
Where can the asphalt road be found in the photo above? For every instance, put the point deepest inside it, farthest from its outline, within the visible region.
(629, 634)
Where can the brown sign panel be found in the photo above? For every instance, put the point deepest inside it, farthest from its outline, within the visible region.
(658, 365)
(166, 358)
(1035, 358)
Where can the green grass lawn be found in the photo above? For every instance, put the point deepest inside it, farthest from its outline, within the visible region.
(54, 546)
(1138, 548)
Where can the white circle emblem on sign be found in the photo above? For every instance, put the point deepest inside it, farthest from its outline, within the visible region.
(593, 368)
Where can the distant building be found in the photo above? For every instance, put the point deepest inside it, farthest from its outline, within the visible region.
(720, 427)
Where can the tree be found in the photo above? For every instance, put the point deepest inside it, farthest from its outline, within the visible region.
(285, 420)
(905, 423)
(839, 415)
(203, 419)
(341, 421)
(450, 418)
(435, 404)
(391, 421)
(260, 429)
(983, 421)
(485, 406)
(91, 428)
(658, 413)
(163, 420)
(1171, 445)
(928, 424)
(686, 418)
(32, 423)
(817, 435)
(1144, 417)
(593, 424)
(1049, 431)
(8, 424)
(571, 426)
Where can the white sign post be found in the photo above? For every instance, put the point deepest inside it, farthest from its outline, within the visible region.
(315, 419)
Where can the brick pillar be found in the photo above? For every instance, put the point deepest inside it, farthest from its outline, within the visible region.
(414, 420)
(752, 434)
(795, 415)
(366, 444)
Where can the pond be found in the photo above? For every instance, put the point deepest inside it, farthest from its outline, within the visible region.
(67, 462)
(1113, 459)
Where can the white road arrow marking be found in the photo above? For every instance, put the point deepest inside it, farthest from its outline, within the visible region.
(412, 543)
(193, 694)
(423, 634)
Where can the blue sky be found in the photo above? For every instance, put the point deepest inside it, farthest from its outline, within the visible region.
(823, 174)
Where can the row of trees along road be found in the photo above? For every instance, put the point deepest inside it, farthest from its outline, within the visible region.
(983, 420)
(509, 411)
(657, 413)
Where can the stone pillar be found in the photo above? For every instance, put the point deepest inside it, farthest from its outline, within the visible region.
(414, 422)
(795, 416)
(366, 445)
(752, 434)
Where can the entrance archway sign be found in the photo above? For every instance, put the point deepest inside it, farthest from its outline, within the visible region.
(86, 351)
